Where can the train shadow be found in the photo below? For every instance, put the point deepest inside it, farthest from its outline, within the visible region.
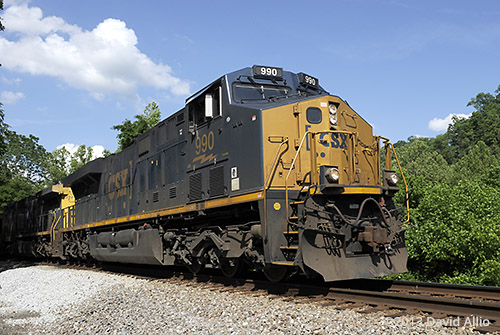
(9, 264)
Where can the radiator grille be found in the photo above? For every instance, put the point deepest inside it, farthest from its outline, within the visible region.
(217, 181)
(195, 186)
(172, 192)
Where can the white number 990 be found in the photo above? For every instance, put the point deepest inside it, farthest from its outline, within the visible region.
(268, 71)
(310, 80)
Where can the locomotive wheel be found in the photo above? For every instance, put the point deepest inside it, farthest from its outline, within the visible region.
(230, 268)
(276, 273)
(196, 266)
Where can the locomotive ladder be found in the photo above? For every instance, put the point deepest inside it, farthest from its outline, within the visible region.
(291, 235)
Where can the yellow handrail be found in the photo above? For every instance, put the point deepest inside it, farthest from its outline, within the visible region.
(313, 167)
(53, 226)
(387, 142)
(268, 180)
(313, 160)
(290, 171)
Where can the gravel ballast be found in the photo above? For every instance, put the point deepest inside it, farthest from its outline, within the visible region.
(44, 299)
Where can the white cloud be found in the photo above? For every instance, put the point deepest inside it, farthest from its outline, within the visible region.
(437, 124)
(9, 98)
(102, 61)
(97, 150)
(14, 81)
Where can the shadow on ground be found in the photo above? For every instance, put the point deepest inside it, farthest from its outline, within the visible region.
(8, 264)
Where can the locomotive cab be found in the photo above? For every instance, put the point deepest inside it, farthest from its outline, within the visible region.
(326, 189)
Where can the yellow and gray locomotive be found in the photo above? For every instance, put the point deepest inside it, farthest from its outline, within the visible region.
(262, 168)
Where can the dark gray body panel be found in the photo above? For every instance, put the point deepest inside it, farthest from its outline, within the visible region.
(169, 166)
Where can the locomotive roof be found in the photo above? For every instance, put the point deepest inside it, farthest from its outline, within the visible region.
(289, 85)
(298, 85)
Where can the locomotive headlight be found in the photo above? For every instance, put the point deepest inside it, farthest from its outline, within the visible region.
(333, 114)
(332, 175)
(393, 179)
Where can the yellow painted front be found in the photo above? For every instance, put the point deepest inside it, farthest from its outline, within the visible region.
(350, 146)
(67, 197)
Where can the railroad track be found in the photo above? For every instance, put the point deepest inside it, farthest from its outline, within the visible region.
(451, 305)
(477, 307)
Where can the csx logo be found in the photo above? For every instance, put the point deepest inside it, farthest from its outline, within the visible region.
(337, 140)
(330, 140)
(117, 184)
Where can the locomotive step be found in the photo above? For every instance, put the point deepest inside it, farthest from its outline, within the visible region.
(283, 263)
(293, 247)
(290, 232)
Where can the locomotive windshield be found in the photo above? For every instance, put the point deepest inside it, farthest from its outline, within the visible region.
(253, 92)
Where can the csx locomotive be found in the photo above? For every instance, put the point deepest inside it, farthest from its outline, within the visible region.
(262, 168)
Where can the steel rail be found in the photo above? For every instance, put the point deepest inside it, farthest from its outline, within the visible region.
(394, 298)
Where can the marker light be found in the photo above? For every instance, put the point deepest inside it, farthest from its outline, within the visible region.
(333, 114)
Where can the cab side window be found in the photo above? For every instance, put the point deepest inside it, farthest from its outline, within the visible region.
(205, 107)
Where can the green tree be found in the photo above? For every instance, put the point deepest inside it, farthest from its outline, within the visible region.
(61, 163)
(483, 125)
(58, 167)
(4, 171)
(423, 167)
(26, 167)
(129, 130)
(82, 156)
(3, 131)
(478, 164)
(454, 207)
(23, 167)
(455, 235)
(25, 157)
(2, 27)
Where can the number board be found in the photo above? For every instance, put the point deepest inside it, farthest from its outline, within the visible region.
(267, 72)
(308, 80)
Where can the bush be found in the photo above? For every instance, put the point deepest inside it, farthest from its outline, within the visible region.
(455, 237)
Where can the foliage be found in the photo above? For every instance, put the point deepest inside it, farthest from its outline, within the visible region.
(455, 207)
(58, 166)
(455, 236)
(129, 130)
(22, 166)
(82, 156)
(483, 125)
(61, 163)
(4, 171)
(1, 8)
(26, 167)
(3, 132)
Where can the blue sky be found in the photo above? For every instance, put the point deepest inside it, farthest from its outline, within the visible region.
(73, 69)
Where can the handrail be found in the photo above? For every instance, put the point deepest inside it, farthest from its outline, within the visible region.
(388, 142)
(313, 167)
(290, 171)
(313, 160)
(53, 226)
(268, 178)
